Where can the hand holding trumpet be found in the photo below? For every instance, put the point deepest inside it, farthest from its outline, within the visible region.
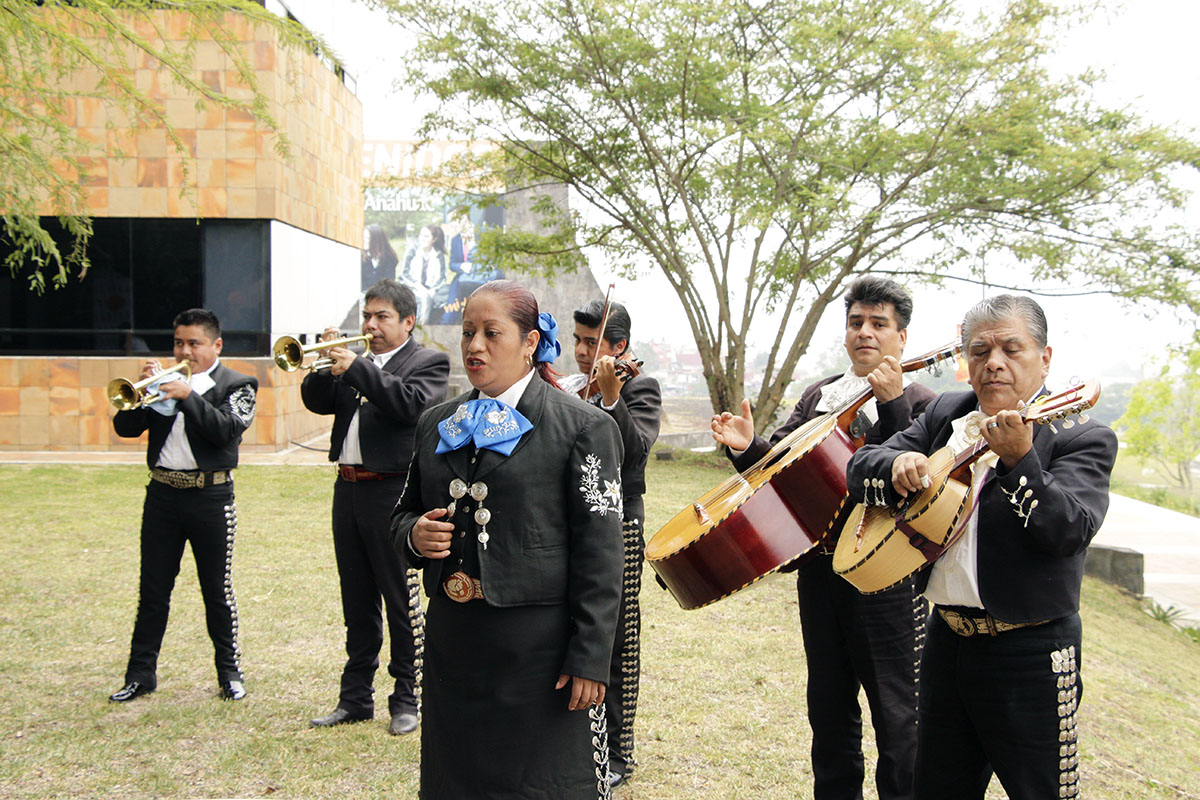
(340, 357)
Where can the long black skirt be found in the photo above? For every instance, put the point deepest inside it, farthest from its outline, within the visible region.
(493, 725)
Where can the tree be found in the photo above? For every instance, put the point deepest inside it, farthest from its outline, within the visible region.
(1162, 422)
(761, 152)
(45, 48)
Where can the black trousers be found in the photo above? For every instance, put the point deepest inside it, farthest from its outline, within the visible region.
(624, 671)
(370, 569)
(1005, 703)
(207, 518)
(852, 640)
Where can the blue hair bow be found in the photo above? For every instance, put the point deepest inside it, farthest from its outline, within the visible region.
(548, 347)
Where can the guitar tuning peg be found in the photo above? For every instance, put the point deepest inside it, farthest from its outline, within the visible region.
(1068, 424)
(1083, 418)
(1052, 428)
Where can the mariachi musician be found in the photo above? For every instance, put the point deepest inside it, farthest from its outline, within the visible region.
(851, 639)
(195, 426)
(635, 403)
(1000, 672)
(376, 399)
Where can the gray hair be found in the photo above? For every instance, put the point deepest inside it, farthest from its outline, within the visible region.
(1003, 307)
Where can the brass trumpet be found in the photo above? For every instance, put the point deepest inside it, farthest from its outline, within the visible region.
(126, 395)
(289, 353)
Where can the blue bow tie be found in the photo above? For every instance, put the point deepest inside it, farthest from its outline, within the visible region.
(489, 423)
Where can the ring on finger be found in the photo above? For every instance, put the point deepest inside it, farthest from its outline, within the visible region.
(993, 425)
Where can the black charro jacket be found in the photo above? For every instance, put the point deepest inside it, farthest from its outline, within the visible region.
(1030, 560)
(389, 401)
(213, 422)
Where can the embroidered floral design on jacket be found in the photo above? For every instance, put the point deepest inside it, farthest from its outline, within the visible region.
(600, 500)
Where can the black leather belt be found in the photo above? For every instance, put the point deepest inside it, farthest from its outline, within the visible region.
(189, 478)
(354, 474)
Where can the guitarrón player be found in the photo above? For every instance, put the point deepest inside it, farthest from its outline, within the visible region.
(1000, 671)
(851, 639)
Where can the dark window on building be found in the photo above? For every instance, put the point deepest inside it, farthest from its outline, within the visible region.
(144, 272)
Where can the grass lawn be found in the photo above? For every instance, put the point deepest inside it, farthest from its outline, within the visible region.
(722, 696)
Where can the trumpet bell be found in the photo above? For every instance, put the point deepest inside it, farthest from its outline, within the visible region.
(122, 394)
(288, 353)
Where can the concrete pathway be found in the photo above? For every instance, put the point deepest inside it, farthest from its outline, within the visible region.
(1170, 543)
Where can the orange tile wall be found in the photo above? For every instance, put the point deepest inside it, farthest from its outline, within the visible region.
(60, 403)
(228, 166)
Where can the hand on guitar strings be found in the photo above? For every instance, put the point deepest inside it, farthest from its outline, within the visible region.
(1009, 436)
(887, 379)
(910, 473)
(431, 538)
(736, 433)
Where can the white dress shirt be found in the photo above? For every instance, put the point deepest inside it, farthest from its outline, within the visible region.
(351, 454)
(176, 451)
(954, 578)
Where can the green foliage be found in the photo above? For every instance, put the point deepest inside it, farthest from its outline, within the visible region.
(1161, 424)
(46, 49)
(761, 152)
(1169, 615)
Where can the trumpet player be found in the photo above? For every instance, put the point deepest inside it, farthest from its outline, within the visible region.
(195, 426)
(375, 399)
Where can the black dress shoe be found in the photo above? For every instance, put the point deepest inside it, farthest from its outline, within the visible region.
(340, 716)
(129, 691)
(232, 690)
(615, 778)
(402, 723)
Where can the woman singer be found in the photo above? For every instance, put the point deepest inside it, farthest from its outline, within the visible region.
(513, 510)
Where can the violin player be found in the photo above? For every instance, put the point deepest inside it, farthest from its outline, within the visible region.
(1000, 683)
(850, 639)
(635, 404)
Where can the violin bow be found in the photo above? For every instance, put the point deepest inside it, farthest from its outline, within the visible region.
(583, 393)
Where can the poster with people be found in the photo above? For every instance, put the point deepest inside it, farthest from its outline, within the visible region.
(429, 243)
(424, 237)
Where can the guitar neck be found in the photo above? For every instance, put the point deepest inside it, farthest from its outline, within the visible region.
(848, 410)
(1042, 411)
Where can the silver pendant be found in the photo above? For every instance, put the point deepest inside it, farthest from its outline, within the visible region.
(479, 491)
(482, 516)
(458, 488)
(483, 538)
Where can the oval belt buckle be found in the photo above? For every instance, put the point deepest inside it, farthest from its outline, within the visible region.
(963, 626)
(459, 587)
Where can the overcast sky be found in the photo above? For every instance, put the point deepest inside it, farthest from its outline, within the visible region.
(1147, 49)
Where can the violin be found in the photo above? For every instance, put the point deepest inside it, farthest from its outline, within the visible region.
(586, 386)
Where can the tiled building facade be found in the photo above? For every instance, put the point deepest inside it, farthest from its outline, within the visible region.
(270, 242)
